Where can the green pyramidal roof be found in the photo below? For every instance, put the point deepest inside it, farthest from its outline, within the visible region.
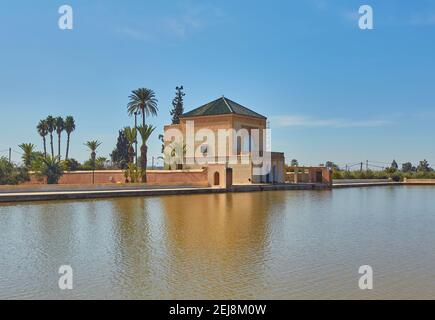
(222, 106)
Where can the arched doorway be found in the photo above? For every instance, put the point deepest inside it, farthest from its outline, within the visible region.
(216, 179)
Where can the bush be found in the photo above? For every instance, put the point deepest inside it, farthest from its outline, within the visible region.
(12, 174)
(395, 175)
(132, 172)
(51, 169)
(71, 165)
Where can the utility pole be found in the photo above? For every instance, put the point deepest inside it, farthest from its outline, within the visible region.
(10, 151)
(361, 166)
(367, 165)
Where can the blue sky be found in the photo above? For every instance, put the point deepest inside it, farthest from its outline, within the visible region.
(330, 90)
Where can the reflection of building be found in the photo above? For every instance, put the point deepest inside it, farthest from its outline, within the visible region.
(244, 151)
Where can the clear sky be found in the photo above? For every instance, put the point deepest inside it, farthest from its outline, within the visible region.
(331, 90)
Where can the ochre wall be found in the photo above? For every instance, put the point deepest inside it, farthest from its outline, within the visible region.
(308, 175)
(157, 177)
(242, 173)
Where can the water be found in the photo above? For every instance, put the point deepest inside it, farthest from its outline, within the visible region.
(269, 245)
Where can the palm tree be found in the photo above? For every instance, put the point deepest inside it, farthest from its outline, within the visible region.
(60, 126)
(42, 128)
(93, 146)
(100, 163)
(70, 126)
(143, 101)
(131, 136)
(145, 132)
(51, 126)
(28, 153)
(52, 169)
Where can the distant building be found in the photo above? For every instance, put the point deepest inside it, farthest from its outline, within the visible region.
(245, 144)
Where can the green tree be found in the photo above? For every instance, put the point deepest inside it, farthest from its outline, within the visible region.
(70, 126)
(145, 132)
(51, 126)
(131, 136)
(51, 169)
(178, 105)
(119, 155)
(42, 129)
(93, 146)
(294, 163)
(394, 165)
(72, 164)
(11, 174)
(28, 149)
(408, 167)
(424, 166)
(331, 165)
(101, 163)
(60, 126)
(144, 102)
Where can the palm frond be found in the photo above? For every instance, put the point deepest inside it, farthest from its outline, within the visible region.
(60, 124)
(145, 132)
(143, 100)
(130, 134)
(93, 145)
(70, 124)
(42, 128)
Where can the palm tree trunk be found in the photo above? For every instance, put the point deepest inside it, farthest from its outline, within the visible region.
(143, 156)
(51, 144)
(93, 159)
(45, 146)
(67, 146)
(58, 146)
(131, 154)
(143, 162)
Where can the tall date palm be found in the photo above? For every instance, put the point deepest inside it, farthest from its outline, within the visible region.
(144, 102)
(145, 132)
(93, 146)
(70, 126)
(51, 126)
(42, 129)
(60, 126)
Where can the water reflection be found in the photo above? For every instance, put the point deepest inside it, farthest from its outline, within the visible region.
(247, 245)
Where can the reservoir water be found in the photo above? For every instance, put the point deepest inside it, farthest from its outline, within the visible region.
(265, 245)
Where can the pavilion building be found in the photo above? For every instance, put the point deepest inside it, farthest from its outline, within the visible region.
(247, 159)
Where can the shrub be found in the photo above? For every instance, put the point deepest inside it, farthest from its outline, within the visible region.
(51, 169)
(12, 174)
